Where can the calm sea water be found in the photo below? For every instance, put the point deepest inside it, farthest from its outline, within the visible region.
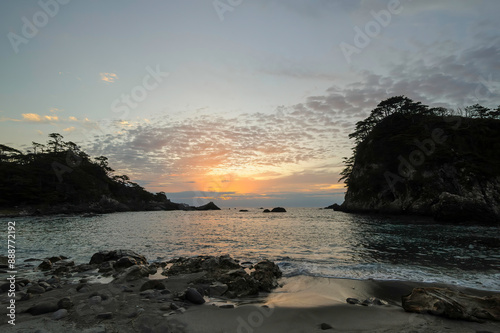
(304, 241)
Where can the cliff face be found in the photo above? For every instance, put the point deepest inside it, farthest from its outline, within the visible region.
(445, 167)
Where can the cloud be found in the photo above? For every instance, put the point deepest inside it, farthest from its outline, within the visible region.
(69, 129)
(108, 77)
(272, 151)
(36, 118)
(33, 117)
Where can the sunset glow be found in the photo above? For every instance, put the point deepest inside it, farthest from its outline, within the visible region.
(209, 109)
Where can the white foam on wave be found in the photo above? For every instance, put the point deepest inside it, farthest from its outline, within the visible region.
(489, 280)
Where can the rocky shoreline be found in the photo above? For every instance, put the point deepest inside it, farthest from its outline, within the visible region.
(120, 291)
(105, 206)
(58, 289)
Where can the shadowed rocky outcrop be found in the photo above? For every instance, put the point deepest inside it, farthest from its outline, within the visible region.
(452, 304)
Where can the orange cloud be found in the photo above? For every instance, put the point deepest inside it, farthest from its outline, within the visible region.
(52, 118)
(108, 77)
(32, 117)
(69, 129)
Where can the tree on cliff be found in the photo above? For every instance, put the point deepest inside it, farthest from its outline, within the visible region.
(62, 173)
(412, 159)
(408, 109)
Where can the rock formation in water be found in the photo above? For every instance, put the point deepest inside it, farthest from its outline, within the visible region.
(410, 159)
(275, 210)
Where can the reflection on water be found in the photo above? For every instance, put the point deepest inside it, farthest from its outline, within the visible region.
(303, 240)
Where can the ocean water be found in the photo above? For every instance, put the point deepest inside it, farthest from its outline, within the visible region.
(303, 241)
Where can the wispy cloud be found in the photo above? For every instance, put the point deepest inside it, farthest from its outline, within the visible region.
(36, 118)
(108, 77)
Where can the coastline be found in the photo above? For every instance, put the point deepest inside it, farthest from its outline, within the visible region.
(303, 304)
(299, 304)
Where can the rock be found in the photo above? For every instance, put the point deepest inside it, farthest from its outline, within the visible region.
(208, 206)
(192, 295)
(125, 262)
(242, 286)
(456, 184)
(153, 284)
(335, 206)
(243, 210)
(44, 285)
(6, 287)
(83, 288)
(147, 293)
(95, 300)
(83, 268)
(54, 280)
(134, 272)
(325, 326)
(105, 315)
(452, 304)
(65, 303)
(227, 271)
(107, 266)
(46, 265)
(453, 208)
(41, 308)
(55, 259)
(373, 301)
(135, 313)
(266, 211)
(59, 314)
(217, 289)
(61, 270)
(102, 256)
(36, 289)
(278, 210)
(226, 262)
(153, 268)
(353, 300)
(64, 262)
(26, 297)
(267, 274)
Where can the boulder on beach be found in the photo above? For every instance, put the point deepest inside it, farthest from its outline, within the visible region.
(227, 276)
(131, 258)
(452, 304)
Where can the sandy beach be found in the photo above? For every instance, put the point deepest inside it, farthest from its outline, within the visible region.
(301, 304)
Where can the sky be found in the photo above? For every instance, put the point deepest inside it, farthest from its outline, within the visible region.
(244, 103)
